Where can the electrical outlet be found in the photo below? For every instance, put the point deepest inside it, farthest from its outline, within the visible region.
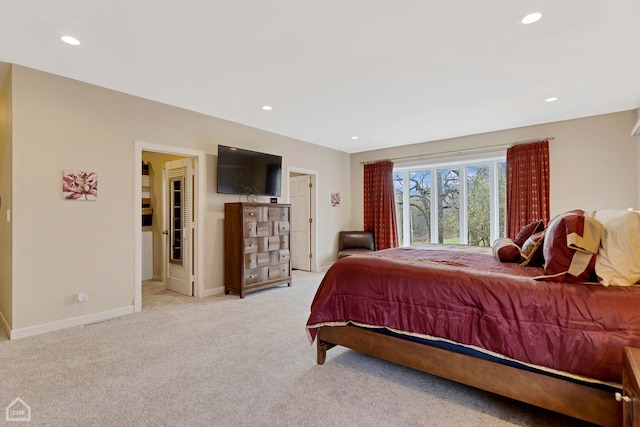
(83, 297)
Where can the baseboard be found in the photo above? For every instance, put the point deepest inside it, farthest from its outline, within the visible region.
(4, 324)
(157, 278)
(214, 291)
(69, 323)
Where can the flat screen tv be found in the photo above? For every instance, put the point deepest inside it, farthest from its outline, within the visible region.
(248, 172)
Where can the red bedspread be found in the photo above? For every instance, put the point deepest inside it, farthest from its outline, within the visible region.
(473, 299)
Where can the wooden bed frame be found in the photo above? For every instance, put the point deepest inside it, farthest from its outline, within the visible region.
(566, 397)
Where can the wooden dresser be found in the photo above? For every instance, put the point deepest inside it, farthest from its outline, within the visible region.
(256, 246)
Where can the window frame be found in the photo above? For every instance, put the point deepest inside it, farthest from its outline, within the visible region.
(461, 162)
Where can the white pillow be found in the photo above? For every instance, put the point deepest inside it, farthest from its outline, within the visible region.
(618, 260)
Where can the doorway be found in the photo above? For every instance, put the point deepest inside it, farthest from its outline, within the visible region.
(162, 154)
(302, 197)
(178, 225)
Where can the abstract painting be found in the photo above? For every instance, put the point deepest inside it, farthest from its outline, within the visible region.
(335, 199)
(78, 185)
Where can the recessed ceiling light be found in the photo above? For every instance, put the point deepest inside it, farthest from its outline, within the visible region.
(267, 107)
(551, 99)
(70, 40)
(354, 137)
(531, 18)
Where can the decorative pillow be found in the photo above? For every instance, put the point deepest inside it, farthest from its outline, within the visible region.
(528, 231)
(532, 250)
(571, 245)
(505, 250)
(618, 262)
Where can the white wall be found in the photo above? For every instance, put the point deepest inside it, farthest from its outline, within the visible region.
(63, 247)
(593, 161)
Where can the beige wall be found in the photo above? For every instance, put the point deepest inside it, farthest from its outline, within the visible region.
(592, 161)
(6, 295)
(56, 248)
(63, 247)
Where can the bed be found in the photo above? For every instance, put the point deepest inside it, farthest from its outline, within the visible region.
(515, 329)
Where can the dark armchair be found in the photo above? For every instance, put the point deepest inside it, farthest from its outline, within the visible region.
(355, 242)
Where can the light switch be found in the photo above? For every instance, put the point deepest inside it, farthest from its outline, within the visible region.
(8, 215)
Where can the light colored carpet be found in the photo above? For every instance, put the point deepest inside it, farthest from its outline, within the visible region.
(223, 361)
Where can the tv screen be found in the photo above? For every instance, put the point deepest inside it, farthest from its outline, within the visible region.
(248, 172)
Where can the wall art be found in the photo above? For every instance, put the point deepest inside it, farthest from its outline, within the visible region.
(335, 200)
(78, 185)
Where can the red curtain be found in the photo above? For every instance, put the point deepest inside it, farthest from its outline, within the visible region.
(527, 185)
(380, 205)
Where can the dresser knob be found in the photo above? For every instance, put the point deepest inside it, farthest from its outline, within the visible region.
(622, 398)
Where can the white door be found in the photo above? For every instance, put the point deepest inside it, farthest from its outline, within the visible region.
(179, 229)
(300, 232)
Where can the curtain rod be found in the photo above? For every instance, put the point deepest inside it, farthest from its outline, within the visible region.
(463, 150)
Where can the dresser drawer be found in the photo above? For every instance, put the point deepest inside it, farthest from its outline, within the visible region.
(256, 244)
(284, 256)
(250, 228)
(263, 244)
(256, 213)
(279, 257)
(250, 261)
(255, 260)
(256, 275)
(274, 243)
(251, 276)
(257, 228)
(278, 271)
(278, 214)
(263, 259)
(263, 228)
(251, 245)
(280, 228)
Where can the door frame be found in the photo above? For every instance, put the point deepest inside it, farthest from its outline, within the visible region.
(314, 208)
(199, 199)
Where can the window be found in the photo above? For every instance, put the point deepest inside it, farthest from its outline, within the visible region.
(448, 206)
(419, 214)
(478, 204)
(468, 206)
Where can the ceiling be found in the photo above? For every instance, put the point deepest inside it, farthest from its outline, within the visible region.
(389, 72)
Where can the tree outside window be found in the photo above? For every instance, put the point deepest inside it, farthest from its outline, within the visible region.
(448, 206)
(478, 205)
